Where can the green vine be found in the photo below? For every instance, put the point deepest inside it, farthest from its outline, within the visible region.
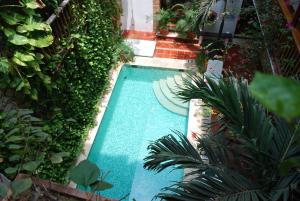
(83, 62)
(22, 35)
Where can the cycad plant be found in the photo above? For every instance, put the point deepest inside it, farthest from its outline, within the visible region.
(241, 161)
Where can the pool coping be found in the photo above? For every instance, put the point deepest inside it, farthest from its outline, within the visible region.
(145, 62)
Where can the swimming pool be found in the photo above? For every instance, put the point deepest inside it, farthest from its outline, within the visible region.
(134, 118)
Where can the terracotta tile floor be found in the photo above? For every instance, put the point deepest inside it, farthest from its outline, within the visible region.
(176, 49)
(172, 48)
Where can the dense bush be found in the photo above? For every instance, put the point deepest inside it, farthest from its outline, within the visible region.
(89, 53)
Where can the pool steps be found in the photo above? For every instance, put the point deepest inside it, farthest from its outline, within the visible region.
(164, 91)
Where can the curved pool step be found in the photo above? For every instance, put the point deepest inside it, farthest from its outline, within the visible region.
(178, 80)
(164, 101)
(169, 94)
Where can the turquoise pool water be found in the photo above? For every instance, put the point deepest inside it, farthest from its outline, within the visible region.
(131, 121)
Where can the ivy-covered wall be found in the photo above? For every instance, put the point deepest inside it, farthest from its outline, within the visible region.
(76, 75)
(92, 51)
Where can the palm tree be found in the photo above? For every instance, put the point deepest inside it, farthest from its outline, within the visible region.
(242, 160)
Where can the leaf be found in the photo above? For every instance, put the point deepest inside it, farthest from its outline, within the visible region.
(14, 138)
(24, 57)
(19, 62)
(85, 173)
(14, 158)
(3, 190)
(4, 65)
(58, 157)
(278, 94)
(9, 32)
(34, 94)
(34, 26)
(101, 186)
(11, 170)
(14, 146)
(33, 4)
(42, 41)
(11, 18)
(20, 186)
(17, 39)
(13, 131)
(31, 166)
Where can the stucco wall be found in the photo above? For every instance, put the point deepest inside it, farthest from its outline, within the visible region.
(137, 15)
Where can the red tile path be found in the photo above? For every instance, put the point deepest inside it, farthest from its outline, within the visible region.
(172, 48)
(167, 47)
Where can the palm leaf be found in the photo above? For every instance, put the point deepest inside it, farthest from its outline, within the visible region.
(170, 151)
(223, 185)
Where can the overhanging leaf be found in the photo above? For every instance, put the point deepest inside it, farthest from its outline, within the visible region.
(280, 95)
(17, 39)
(85, 173)
(11, 170)
(24, 56)
(20, 186)
(34, 26)
(42, 41)
(101, 186)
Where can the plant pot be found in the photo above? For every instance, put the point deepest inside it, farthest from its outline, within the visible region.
(173, 20)
(191, 35)
(163, 31)
(171, 26)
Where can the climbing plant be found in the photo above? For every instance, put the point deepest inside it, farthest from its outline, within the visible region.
(81, 67)
(22, 35)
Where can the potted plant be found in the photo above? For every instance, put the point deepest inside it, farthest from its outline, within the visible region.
(163, 17)
(201, 61)
(187, 25)
(212, 17)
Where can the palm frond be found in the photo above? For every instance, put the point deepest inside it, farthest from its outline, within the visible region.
(288, 188)
(242, 114)
(223, 185)
(171, 151)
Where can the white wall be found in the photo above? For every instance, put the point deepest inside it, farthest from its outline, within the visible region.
(137, 15)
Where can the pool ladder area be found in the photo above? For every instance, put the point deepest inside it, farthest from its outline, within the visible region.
(164, 91)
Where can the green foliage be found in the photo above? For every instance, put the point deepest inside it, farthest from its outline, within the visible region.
(23, 140)
(13, 188)
(21, 137)
(201, 60)
(163, 17)
(22, 35)
(278, 94)
(20, 185)
(84, 59)
(242, 160)
(125, 53)
(188, 22)
(87, 174)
